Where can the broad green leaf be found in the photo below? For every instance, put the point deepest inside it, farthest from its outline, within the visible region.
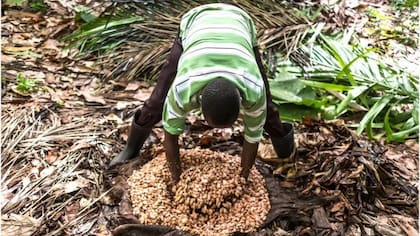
(286, 90)
(15, 2)
(293, 112)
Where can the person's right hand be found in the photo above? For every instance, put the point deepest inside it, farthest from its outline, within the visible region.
(172, 156)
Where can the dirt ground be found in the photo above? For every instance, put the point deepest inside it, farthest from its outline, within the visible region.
(58, 138)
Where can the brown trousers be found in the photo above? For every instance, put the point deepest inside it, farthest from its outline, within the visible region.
(151, 112)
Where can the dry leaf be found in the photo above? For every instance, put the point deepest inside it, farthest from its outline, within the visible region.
(339, 206)
(113, 117)
(47, 171)
(70, 212)
(91, 98)
(51, 44)
(5, 59)
(142, 94)
(132, 86)
(14, 224)
(121, 105)
(72, 186)
(16, 49)
(52, 156)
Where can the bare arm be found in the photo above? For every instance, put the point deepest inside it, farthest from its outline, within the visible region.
(168, 73)
(172, 156)
(249, 153)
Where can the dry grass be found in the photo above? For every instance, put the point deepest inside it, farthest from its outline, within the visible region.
(48, 166)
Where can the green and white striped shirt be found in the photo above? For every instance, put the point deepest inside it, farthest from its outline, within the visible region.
(217, 41)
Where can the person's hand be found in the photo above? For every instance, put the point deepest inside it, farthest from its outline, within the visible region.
(172, 156)
(249, 153)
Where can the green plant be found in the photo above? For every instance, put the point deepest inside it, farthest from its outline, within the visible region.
(25, 85)
(405, 3)
(342, 79)
(15, 2)
(133, 39)
(38, 5)
(84, 15)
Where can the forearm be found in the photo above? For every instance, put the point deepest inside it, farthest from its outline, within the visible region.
(249, 153)
(262, 72)
(172, 156)
(152, 108)
(273, 123)
(167, 74)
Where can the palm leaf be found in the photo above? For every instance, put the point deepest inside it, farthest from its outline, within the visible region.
(133, 38)
(358, 82)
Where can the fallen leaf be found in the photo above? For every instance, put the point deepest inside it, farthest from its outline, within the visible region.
(113, 117)
(16, 49)
(47, 171)
(70, 212)
(121, 105)
(52, 156)
(75, 185)
(22, 14)
(51, 44)
(143, 94)
(91, 98)
(339, 206)
(132, 86)
(412, 143)
(14, 224)
(5, 59)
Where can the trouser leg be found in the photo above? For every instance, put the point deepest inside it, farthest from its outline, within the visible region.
(151, 112)
(281, 134)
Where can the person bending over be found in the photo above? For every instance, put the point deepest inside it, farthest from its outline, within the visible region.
(214, 65)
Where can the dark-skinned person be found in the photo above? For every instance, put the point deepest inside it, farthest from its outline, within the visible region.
(214, 65)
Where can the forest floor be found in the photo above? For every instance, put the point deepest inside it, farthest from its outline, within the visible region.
(60, 132)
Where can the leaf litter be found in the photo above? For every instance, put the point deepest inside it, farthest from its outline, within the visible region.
(57, 142)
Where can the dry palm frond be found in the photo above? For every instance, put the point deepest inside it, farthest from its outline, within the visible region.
(47, 166)
(133, 38)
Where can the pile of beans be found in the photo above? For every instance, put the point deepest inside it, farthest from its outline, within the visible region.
(210, 199)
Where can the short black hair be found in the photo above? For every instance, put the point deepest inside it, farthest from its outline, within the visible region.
(220, 102)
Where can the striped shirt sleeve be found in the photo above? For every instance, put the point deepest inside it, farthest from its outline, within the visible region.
(254, 119)
(173, 115)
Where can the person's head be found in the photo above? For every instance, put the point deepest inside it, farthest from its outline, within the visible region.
(220, 103)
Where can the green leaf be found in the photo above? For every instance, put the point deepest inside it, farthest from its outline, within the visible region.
(38, 5)
(400, 136)
(373, 112)
(293, 112)
(339, 53)
(103, 25)
(352, 94)
(347, 68)
(387, 126)
(15, 2)
(84, 16)
(327, 86)
(415, 112)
